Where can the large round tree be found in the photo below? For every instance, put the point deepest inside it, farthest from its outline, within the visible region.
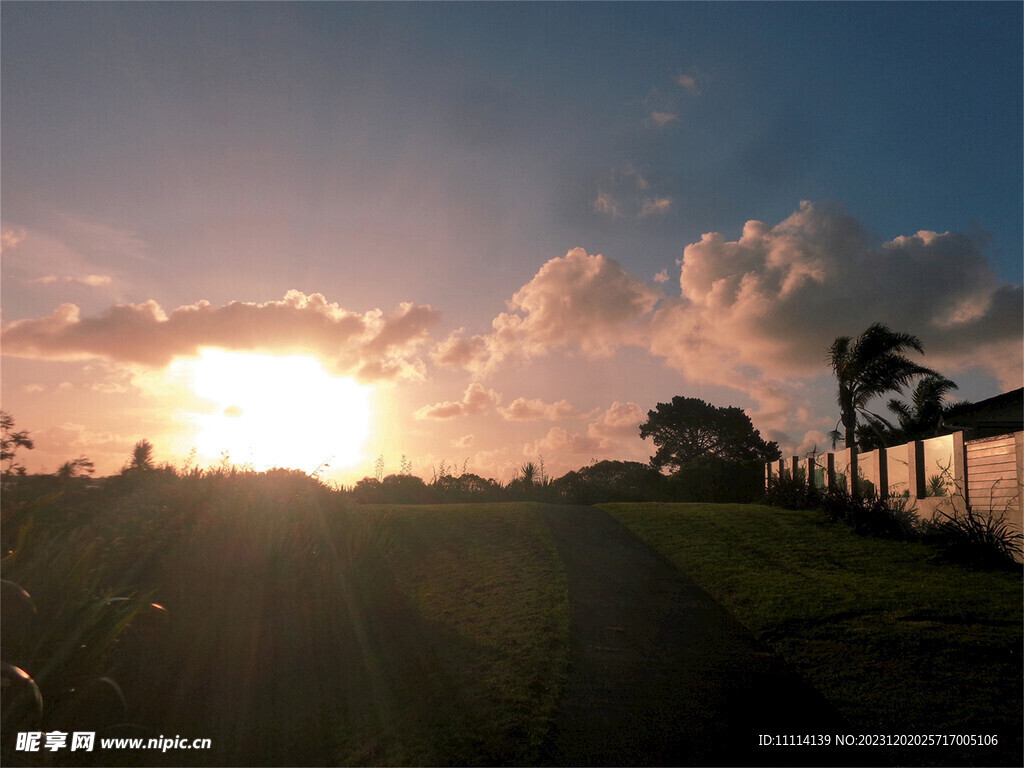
(867, 367)
(688, 429)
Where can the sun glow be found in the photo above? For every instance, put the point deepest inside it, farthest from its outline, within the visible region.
(271, 411)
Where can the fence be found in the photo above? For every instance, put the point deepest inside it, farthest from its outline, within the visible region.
(987, 473)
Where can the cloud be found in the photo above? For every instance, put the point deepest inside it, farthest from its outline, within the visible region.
(655, 206)
(579, 302)
(459, 352)
(522, 409)
(776, 298)
(466, 441)
(661, 119)
(92, 281)
(662, 277)
(475, 400)
(627, 193)
(760, 311)
(688, 82)
(371, 346)
(621, 420)
(11, 237)
(560, 442)
(614, 431)
(606, 204)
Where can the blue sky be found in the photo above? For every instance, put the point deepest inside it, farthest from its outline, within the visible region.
(445, 155)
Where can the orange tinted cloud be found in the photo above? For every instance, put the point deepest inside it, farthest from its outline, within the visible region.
(476, 400)
(578, 302)
(370, 346)
(522, 409)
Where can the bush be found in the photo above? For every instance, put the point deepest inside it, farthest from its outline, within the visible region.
(892, 517)
(711, 479)
(792, 493)
(985, 541)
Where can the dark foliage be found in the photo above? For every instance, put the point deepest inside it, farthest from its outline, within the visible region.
(465, 487)
(394, 489)
(792, 492)
(688, 429)
(608, 481)
(871, 365)
(713, 479)
(984, 541)
(891, 517)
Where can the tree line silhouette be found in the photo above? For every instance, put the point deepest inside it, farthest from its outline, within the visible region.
(703, 452)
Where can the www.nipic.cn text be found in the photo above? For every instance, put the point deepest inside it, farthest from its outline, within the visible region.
(85, 741)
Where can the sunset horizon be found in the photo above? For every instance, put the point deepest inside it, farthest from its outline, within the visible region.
(318, 236)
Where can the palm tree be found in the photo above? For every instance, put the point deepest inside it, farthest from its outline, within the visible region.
(867, 367)
(923, 416)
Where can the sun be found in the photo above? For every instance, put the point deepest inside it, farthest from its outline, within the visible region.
(276, 411)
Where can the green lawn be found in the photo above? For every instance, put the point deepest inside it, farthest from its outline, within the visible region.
(302, 630)
(490, 592)
(296, 629)
(899, 643)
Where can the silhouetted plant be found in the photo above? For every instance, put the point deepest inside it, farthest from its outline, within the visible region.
(871, 365)
(142, 457)
(966, 535)
(890, 517)
(10, 442)
(792, 492)
(687, 429)
(936, 486)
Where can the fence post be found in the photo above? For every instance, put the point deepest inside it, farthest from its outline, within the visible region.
(960, 464)
(830, 471)
(915, 469)
(883, 474)
(854, 489)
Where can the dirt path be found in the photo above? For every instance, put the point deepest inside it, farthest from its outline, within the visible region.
(660, 673)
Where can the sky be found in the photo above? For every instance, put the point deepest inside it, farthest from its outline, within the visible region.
(350, 236)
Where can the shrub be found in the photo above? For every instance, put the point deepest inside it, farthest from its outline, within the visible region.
(891, 517)
(792, 492)
(969, 537)
(715, 480)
